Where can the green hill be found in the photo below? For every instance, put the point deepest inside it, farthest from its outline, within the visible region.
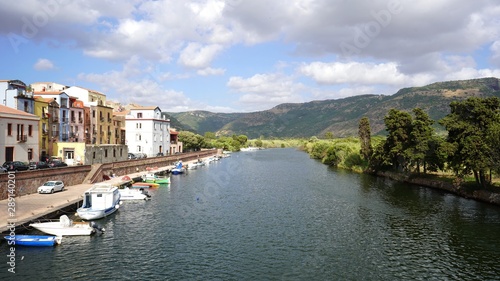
(340, 116)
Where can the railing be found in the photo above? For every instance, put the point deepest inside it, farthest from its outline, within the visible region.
(80, 120)
(22, 138)
(65, 120)
(55, 133)
(55, 119)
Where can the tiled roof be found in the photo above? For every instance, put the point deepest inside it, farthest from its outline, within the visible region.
(10, 110)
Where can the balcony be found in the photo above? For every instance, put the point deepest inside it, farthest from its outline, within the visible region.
(110, 120)
(64, 137)
(94, 132)
(65, 120)
(109, 133)
(45, 132)
(55, 133)
(73, 120)
(45, 116)
(55, 119)
(22, 138)
(80, 120)
(102, 119)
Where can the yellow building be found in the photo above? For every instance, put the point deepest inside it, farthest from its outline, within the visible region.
(46, 109)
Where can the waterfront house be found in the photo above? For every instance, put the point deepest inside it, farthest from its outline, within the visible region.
(18, 135)
(147, 131)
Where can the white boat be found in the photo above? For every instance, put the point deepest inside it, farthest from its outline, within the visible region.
(66, 227)
(99, 201)
(134, 194)
(250, 148)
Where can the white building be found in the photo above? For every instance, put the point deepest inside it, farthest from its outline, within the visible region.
(18, 135)
(146, 131)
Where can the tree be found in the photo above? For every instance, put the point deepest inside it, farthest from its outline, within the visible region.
(364, 133)
(421, 134)
(328, 135)
(210, 135)
(191, 141)
(470, 124)
(396, 147)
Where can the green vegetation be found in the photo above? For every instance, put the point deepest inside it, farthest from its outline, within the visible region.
(471, 146)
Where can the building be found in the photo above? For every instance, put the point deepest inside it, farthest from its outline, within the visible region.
(47, 87)
(18, 135)
(175, 144)
(147, 131)
(48, 111)
(11, 89)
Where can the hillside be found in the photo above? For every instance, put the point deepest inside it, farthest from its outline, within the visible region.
(339, 116)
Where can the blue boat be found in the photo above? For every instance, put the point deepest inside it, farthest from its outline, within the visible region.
(179, 169)
(33, 240)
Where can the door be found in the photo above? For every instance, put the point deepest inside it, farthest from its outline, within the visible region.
(9, 153)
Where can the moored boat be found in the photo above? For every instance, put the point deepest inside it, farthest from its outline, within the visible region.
(154, 178)
(145, 184)
(134, 194)
(67, 227)
(33, 240)
(99, 201)
(179, 169)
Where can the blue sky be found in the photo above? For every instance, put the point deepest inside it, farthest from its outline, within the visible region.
(244, 56)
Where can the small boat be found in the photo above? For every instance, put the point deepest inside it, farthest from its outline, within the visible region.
(33, 240)
(99, 201)
(67, 227)
(154, 178)
(145, 184)
(134, 194)
(179, 169)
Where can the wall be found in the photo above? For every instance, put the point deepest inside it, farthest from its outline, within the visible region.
(27, 182)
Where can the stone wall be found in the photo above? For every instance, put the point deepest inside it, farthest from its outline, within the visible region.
(27, 182)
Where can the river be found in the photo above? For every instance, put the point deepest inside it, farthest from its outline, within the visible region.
(275, 214)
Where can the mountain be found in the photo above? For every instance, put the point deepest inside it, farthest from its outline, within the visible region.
(340, 116)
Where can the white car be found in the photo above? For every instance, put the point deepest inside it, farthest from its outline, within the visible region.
(51, 187)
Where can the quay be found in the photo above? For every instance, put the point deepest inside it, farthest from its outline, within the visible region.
(19, 211)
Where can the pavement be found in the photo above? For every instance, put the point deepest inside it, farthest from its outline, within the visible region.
(23, 209)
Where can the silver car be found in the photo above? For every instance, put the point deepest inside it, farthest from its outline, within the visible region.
(51, 187)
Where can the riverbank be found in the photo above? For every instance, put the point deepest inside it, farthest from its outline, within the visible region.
(482, 195)
(17, 212)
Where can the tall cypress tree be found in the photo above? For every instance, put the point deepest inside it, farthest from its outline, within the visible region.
(364, 133)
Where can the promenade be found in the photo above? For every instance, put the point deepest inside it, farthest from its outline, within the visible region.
(27, 208)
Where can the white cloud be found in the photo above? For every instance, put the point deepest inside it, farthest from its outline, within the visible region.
(198, 56)
(211, 71)
(263, 91)
(43, 64)
(354, 72)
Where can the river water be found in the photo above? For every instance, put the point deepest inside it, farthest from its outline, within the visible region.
(277, 215)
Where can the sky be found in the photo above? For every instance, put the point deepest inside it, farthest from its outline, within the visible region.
(247, 55)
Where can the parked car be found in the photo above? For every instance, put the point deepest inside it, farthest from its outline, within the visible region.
(159, 154)
(15, 166)
(38, 165)
(57, 164)
(131, 156)
(51, 187)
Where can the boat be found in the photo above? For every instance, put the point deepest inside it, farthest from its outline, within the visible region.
(145, 184)
(250, 148)
(33, 240)
(154, 178)
(99, 201)
(134, 194)
(67, 227)
(179, 169)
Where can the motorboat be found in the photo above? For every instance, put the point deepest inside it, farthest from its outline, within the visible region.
(33, 240)
(134, 194)
(154, 178)
(178, 169)
(99, 201)
(145, 184)
(67, 227)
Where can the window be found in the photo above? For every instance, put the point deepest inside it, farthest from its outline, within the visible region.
(105, 153)
(93, 113)
(93, 155)
(9, 129)
(114, 152)
(30, 131)
(139, 115)
(138, 148)
(30, 153)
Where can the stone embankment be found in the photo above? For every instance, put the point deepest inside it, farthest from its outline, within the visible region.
(480, 195)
